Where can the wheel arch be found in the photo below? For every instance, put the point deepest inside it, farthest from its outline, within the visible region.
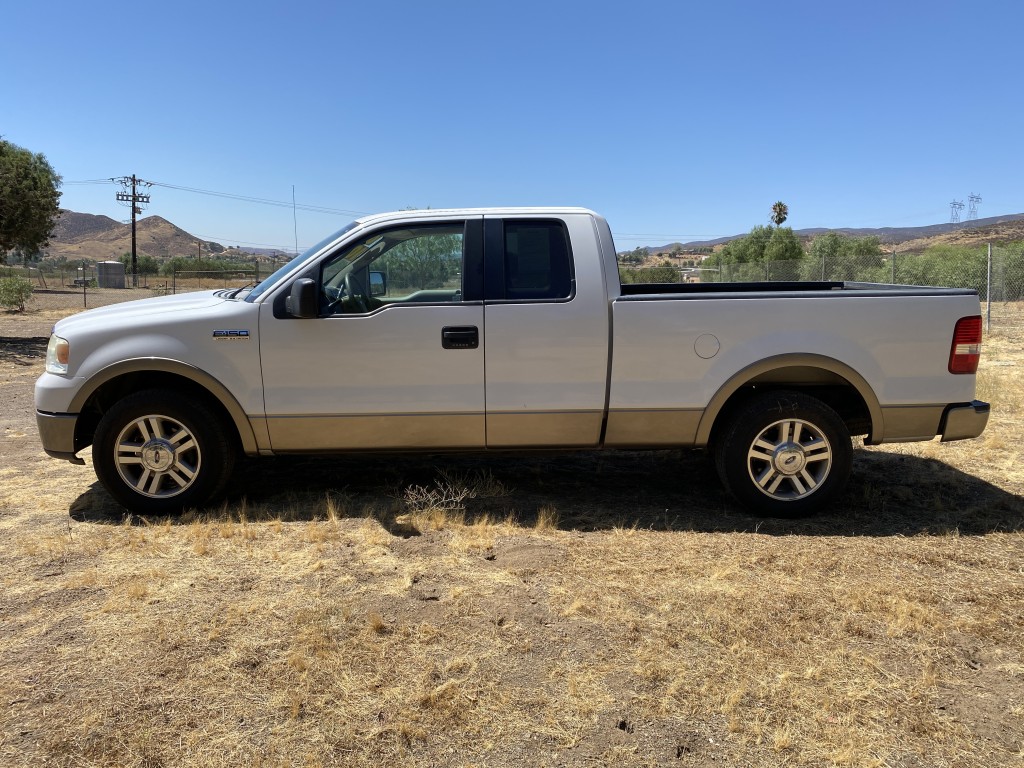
(832, 381)
(115, 381)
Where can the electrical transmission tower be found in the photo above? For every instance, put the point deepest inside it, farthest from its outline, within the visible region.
(131, 196)
(954, 211)
(972, 212)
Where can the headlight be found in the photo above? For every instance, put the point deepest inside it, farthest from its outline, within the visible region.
(57, 353)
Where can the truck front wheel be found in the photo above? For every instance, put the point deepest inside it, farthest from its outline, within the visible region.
(158, 452)
(784, 454)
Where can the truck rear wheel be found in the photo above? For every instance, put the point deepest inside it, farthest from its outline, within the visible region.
(784, 454)
(157, 452)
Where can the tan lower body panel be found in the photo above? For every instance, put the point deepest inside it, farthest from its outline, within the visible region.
(573, 429)
(398, 432)
(638, 428)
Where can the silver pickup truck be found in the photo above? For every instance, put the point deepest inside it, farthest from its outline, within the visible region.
(488, 329)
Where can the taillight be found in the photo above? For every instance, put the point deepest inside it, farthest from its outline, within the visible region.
(966, 349)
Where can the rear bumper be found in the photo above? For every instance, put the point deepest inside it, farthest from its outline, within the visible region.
(57, 433)
(962, 422)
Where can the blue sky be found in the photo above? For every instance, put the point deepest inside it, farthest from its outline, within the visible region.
(677, 121)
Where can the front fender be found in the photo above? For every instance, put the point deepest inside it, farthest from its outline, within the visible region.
(250, 443)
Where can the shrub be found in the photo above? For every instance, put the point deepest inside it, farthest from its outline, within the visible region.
(14, 292)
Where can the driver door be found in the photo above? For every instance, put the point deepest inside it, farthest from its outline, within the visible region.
(395, 358)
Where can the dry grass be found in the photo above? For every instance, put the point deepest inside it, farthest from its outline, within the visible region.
(578, 611)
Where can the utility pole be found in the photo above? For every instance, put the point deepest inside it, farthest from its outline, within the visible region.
(136, 201)
(972, 212)
(954, 211)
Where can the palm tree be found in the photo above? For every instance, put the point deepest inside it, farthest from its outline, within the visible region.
(780, 212)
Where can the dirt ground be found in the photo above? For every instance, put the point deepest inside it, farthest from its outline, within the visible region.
(572, 610)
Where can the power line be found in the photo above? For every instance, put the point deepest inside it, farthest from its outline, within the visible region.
(261, 200)
(226, 240)
(645, 236)
(232, 196)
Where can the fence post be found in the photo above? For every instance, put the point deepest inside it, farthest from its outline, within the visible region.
(988, 293)
(174, 281)
(893, 281)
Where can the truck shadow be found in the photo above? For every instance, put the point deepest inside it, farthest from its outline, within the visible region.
(26, 351)
(889, 494)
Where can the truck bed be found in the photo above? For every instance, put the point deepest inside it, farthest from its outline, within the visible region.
(656, 290)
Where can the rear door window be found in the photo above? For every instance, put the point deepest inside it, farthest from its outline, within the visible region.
(534, 263)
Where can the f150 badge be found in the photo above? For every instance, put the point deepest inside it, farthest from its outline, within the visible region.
(231, 335)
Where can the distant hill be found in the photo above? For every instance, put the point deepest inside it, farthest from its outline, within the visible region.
(100, 238)
(75, 227)
(994, 229)
(85, 236)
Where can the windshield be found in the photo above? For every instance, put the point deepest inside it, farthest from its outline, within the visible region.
(273, 279)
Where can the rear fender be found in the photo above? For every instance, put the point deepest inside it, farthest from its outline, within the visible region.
(778, 364)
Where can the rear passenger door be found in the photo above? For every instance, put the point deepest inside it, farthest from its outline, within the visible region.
(547, 334)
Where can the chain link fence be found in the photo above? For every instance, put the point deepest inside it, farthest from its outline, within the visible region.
(998, 278)
(185, 280)
(84, 287)
(64, 301)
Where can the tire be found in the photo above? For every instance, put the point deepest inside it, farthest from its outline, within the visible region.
(784, 454)
(158, 452)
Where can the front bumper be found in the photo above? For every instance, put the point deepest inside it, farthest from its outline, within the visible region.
(57, 433)
(962, 422)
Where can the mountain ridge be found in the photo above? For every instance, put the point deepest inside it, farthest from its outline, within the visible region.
(886, 235)
(78, 236)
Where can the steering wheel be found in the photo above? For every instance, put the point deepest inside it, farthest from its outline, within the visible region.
(355, 299)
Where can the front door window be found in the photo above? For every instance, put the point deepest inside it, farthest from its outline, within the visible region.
(412, 265)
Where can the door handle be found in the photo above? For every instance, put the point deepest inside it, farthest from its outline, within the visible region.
(460, 337)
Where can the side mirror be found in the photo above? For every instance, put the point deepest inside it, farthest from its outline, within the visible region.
(302, 301)
(378, 284)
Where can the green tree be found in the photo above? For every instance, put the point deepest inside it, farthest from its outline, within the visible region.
(783, 245)
(634, 257)
(783, 255)
(14, 292)
(423, 262)
(780, 212)
(666, 272)
(29, 199)
(1009, 279)
(147, 264)
(745, 250)
(767, 253)
(953, 267)
(828, 247)
(192, 264)
(834, 256)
